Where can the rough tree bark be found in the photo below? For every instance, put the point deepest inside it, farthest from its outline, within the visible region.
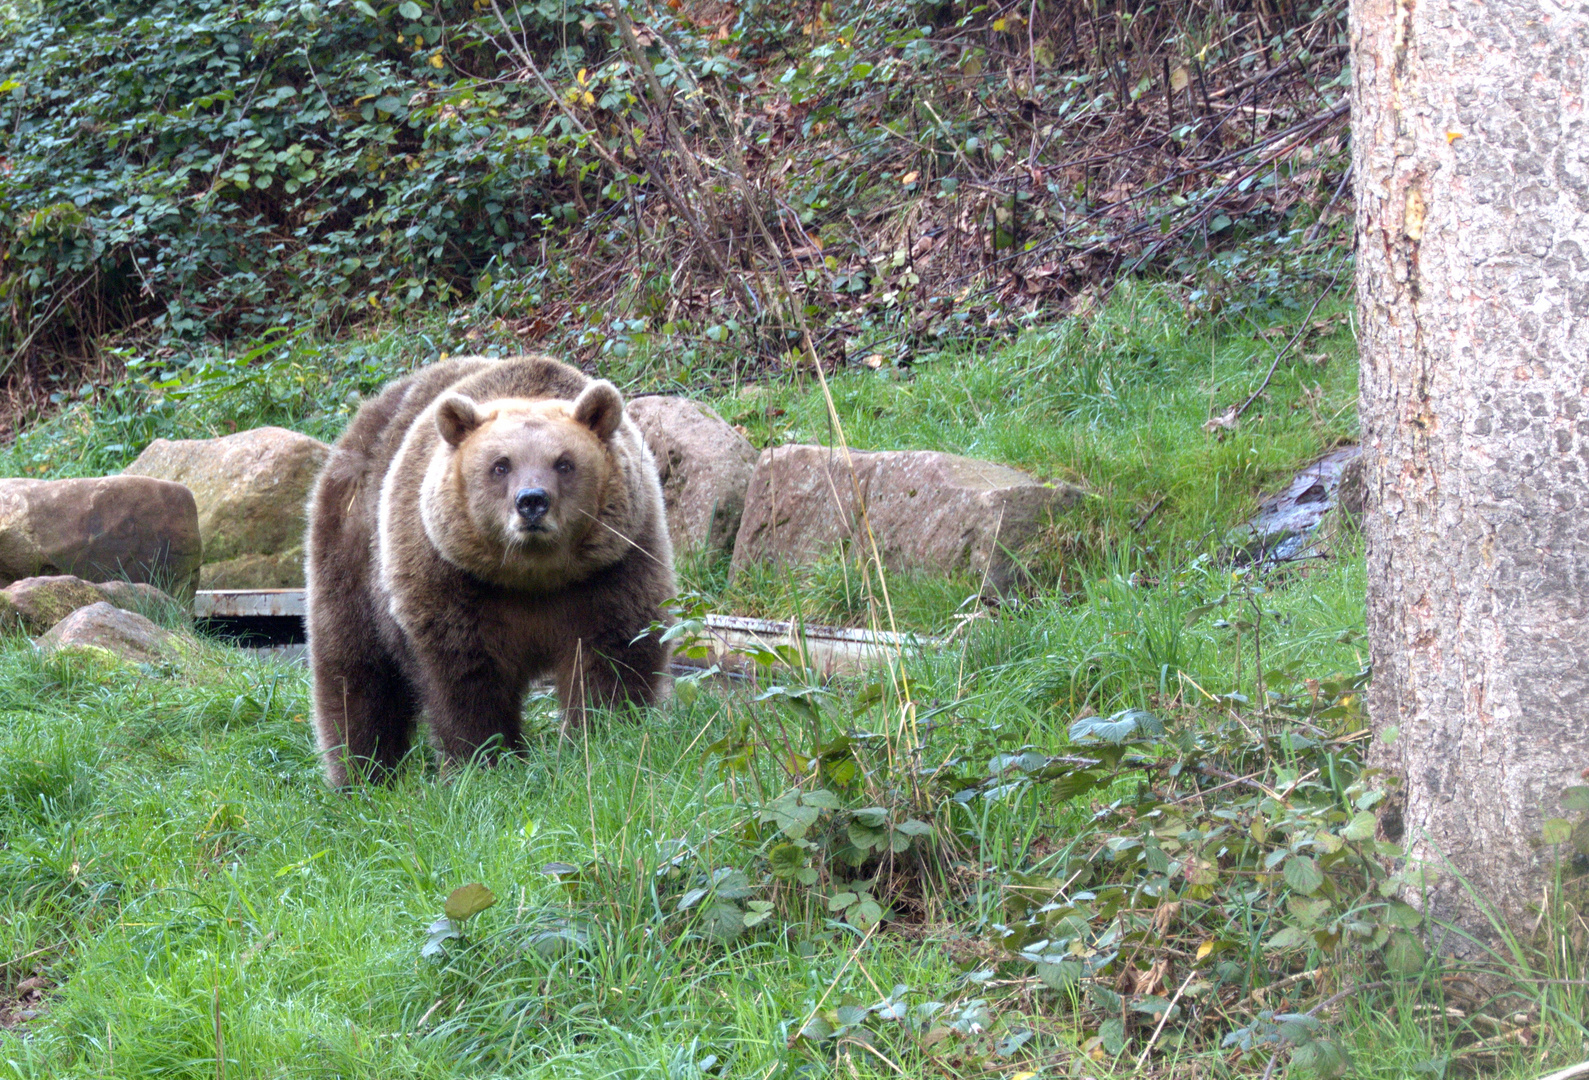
(1471, 157)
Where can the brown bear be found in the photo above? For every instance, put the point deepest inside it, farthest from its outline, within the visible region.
(481, 523)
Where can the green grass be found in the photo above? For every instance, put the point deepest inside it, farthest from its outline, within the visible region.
(203, 907)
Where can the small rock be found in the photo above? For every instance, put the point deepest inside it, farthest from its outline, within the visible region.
(252, 490)
(103, 626)
(131, 527)
(926, 509)
(705, 467)
(141, 597)
(41, 602)
(28, 1014)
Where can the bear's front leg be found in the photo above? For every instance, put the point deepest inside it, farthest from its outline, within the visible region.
(611, 670)
(472, 704)
(364, 712)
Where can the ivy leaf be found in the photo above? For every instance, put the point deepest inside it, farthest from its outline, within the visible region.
(467, 901)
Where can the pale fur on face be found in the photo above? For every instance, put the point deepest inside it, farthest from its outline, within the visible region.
(467, 510)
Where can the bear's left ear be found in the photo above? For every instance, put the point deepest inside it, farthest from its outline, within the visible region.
(599, 408)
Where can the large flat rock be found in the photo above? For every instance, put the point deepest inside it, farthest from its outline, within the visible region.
(252, 490)
(705, 466)
(132, 528)
(927, 510)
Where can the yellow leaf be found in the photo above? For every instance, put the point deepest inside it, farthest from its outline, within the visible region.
(1451, 136)
(1179, 79)
(910, 177)
(1205, 948)
(1023, 1076)
(999, 24)
(436, 61)
(590, 99)
(419, 41)
(581, 77)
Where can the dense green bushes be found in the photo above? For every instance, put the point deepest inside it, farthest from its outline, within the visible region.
(210, 164)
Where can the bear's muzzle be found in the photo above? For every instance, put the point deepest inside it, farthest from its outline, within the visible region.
(532, 505)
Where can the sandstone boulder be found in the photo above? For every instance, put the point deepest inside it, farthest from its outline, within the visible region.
(251, 489)
(927, 510)
(125, 527)
(41, 602)
(102, 626)
(705, 465)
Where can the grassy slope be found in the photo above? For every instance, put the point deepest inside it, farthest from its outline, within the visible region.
(207, 908)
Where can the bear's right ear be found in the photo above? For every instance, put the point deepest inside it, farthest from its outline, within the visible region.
(456, 417)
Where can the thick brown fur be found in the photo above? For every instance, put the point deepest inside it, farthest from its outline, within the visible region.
(427, 594)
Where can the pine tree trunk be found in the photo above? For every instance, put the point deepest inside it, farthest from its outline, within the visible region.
(1471, 158)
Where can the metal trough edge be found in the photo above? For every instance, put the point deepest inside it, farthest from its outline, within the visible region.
(827, 650)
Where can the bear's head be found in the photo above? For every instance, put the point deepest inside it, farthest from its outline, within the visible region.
(517, 485)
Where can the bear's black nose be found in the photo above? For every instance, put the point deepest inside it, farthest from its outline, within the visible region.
(532, 504)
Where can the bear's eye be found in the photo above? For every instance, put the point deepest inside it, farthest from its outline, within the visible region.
(501, 467)
(564, 466)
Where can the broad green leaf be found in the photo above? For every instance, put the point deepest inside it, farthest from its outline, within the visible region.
(1060, 976)
(1404, 954)
(731, 884)
(1112, 1036)
(841, 900)
(1556, 830)
(1361, 827)
(467, 901)
(850, 1015)
(1303, 874)
(1575, 798)
(872, 816)
(1288, 938)
(1403, 916)
(864, 915)
(409, 10)
(1122, 726)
